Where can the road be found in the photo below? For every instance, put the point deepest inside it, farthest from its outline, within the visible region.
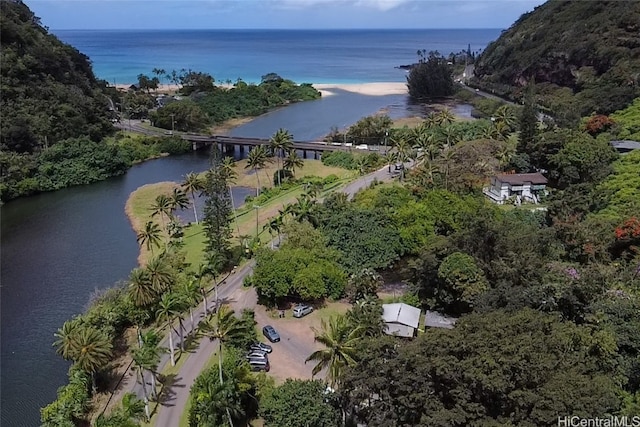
(289, 352)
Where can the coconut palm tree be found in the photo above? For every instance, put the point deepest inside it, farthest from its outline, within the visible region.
(223, 326)
(139, 357)
(505, 114)
(141, 290)
(274, 226)
(256, 160)
(132, 407)
(340, 340)
(150, 236)
(280, 142)
(293, 161)
(192, 183)
(161, 275)
(170, 309)
(403, 151)
(304, 209)
(190, 293)
(179, 199)
(150, 342)
(214, 401)
(161, 207)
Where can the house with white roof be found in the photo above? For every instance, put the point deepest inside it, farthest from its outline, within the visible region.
(401, 319)
(523, 187)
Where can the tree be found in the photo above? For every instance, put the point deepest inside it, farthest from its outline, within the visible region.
(141, 290)
(161, 207)
(223, 327)
(366, 314)
(256, 160)
(160, 274)
(66, 343)
(170, 309)
(496, 368)
(363, 283)
(528, 135)
(461, 282)
(192, 183)
(228, 166)
(178, 199)
(340, 341)
(150, 236)
(281, 142)
(299, 403)
(431, 77)
(88, 347)
(159, 72)
(293, 161)
(217, 209)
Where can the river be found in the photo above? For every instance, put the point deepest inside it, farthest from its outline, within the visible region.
(58, 247)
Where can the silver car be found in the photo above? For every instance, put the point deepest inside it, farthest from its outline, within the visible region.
(302, 310)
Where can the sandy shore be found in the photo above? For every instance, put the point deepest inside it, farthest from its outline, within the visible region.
(371, 89)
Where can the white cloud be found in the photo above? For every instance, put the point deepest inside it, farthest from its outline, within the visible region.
(382, 5)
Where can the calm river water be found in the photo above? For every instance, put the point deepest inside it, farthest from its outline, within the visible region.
(57, 248)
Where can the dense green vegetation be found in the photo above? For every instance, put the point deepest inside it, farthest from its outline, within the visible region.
(584, 56)
(430, 78)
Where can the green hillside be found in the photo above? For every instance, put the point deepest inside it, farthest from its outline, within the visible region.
(49, 92)
(583, 55)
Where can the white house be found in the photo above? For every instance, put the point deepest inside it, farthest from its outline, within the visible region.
(524, 187)
(401, 319)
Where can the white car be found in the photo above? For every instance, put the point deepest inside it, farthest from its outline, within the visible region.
(302, 310)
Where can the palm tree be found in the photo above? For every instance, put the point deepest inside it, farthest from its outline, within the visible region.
(150, 342)
(274, 226)
(293, 161)
(217, 399)
(403, 152)
(141, 290)
(505, 115)
(304, 209)
(162, 207)
(228, 166)
(193, 183)
(281, 142)
(66, 343)
(256, 160)
(93, 351)
(340, 340)
(179, 199)
(139, 357)
(132, 407)
(223, 327)
(150, 236)
(170, 308)
(160, 274)
(445, 117)
(190, 293)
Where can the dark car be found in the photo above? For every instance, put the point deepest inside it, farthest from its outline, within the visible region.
(271, 333)
(260, 346)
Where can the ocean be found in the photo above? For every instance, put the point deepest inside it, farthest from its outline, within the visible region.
(304, 56)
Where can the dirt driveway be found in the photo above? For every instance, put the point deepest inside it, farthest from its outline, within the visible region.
(296, 336)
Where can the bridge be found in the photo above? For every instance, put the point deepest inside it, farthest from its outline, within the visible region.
(228, 144)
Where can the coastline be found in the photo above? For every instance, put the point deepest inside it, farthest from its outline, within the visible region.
(369, 88)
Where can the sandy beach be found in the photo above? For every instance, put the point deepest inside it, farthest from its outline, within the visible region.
(371, 89)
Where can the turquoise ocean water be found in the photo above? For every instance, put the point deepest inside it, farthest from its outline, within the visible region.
(313, 56)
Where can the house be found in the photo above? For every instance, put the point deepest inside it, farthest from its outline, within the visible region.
(401, 319)
(433, 319)
(524, 187)
(624, 147)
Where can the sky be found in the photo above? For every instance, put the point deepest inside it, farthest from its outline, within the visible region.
(278, 14)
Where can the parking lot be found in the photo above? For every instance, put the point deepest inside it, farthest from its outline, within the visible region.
(296, 337)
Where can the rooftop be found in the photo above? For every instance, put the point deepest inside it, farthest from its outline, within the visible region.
(401, 313)
(522, 178)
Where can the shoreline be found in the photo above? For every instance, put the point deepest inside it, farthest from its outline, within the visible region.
(369, 88)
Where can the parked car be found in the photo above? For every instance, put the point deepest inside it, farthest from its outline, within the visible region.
(260, 365)
(256, 355)
(271, 333)
(260, 346)
(302, 310)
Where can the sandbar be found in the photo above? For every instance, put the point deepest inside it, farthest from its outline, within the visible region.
(371, 89)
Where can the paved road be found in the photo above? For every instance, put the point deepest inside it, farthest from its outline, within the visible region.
(175, 399)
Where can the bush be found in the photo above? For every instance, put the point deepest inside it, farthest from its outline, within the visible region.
(340, 159)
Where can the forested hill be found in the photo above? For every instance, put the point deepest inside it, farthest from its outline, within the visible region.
(590, 49)
(49, 92)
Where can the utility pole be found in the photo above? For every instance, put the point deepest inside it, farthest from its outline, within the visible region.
(386, 150)
(257, 208)
(173, 123)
